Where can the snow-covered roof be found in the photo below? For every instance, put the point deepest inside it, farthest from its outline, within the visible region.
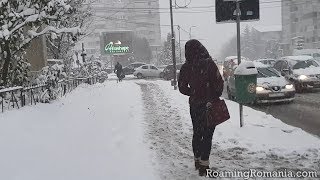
(307, 71)
(273, 28)
(235, 58)
(265, 59)
(258, 64)
(298, 58)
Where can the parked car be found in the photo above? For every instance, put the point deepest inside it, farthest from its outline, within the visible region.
(168, 72)
(315, 53)
(147, 70)
(132, 67)
(302, 71)
(268, 62)
(229, 64)
(271, 86)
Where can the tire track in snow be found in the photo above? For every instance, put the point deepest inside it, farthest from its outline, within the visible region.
(165, 133)
(172, 144)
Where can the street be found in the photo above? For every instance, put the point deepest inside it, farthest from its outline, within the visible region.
(303, 112)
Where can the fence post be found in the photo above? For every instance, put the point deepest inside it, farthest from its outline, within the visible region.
(22, 98)
(2, 99)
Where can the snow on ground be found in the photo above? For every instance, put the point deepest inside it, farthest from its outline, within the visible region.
(140, 129)
(95, 132)
(264, 143)
(113, 76)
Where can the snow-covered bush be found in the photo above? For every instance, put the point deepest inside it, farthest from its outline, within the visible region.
(51, 76)
(91, 68)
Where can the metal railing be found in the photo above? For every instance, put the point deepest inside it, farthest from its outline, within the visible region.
(17, 97)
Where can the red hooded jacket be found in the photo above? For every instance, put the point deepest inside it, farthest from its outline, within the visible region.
(199, 77)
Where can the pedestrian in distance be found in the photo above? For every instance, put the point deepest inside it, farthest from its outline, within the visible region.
(200, 79)
(119, 71)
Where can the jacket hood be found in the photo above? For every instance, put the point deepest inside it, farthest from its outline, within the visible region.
(195, 52)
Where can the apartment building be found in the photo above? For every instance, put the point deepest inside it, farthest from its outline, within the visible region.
(140, 16)
(300, 25)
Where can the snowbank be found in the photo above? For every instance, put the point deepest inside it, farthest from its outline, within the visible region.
(90, 134)
(261, 132)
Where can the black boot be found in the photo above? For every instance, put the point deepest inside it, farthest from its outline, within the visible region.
(197, 163)
(204, 165)
(203, 170)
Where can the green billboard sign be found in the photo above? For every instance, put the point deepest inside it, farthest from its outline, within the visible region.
(112, 48)
(116, 42)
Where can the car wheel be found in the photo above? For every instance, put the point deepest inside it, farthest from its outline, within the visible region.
(139, 75)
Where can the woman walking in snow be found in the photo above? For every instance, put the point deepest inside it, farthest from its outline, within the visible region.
(201, 80)
(119, 71)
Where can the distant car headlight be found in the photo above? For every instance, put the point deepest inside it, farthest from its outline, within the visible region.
(303, 77)
(258, 88)
(289, 86)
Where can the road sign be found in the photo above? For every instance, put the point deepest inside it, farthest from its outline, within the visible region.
(226, 10)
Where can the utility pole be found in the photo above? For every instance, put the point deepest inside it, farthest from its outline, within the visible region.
(173, 49)
(180, 44)
(239, 53)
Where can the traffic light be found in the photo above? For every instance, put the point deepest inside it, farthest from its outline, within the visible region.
(226, 10)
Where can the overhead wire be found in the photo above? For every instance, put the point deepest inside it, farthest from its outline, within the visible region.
(153, 24)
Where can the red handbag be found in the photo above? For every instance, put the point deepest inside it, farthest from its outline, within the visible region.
(217, 110)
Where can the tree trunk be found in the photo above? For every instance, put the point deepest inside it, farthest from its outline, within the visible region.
(6, 64)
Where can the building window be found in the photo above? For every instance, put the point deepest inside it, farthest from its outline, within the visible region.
(149, 3)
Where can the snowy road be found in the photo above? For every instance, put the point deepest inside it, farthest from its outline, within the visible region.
(303, 112)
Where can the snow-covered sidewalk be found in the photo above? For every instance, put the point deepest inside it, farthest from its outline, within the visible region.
(94, 133)
(264, 143)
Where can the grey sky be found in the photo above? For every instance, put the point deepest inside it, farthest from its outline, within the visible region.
(214, 35)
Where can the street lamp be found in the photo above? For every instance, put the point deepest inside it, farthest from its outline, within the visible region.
(190, 31)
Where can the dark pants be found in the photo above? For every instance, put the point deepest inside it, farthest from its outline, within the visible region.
(202, 136)
(119, 74)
